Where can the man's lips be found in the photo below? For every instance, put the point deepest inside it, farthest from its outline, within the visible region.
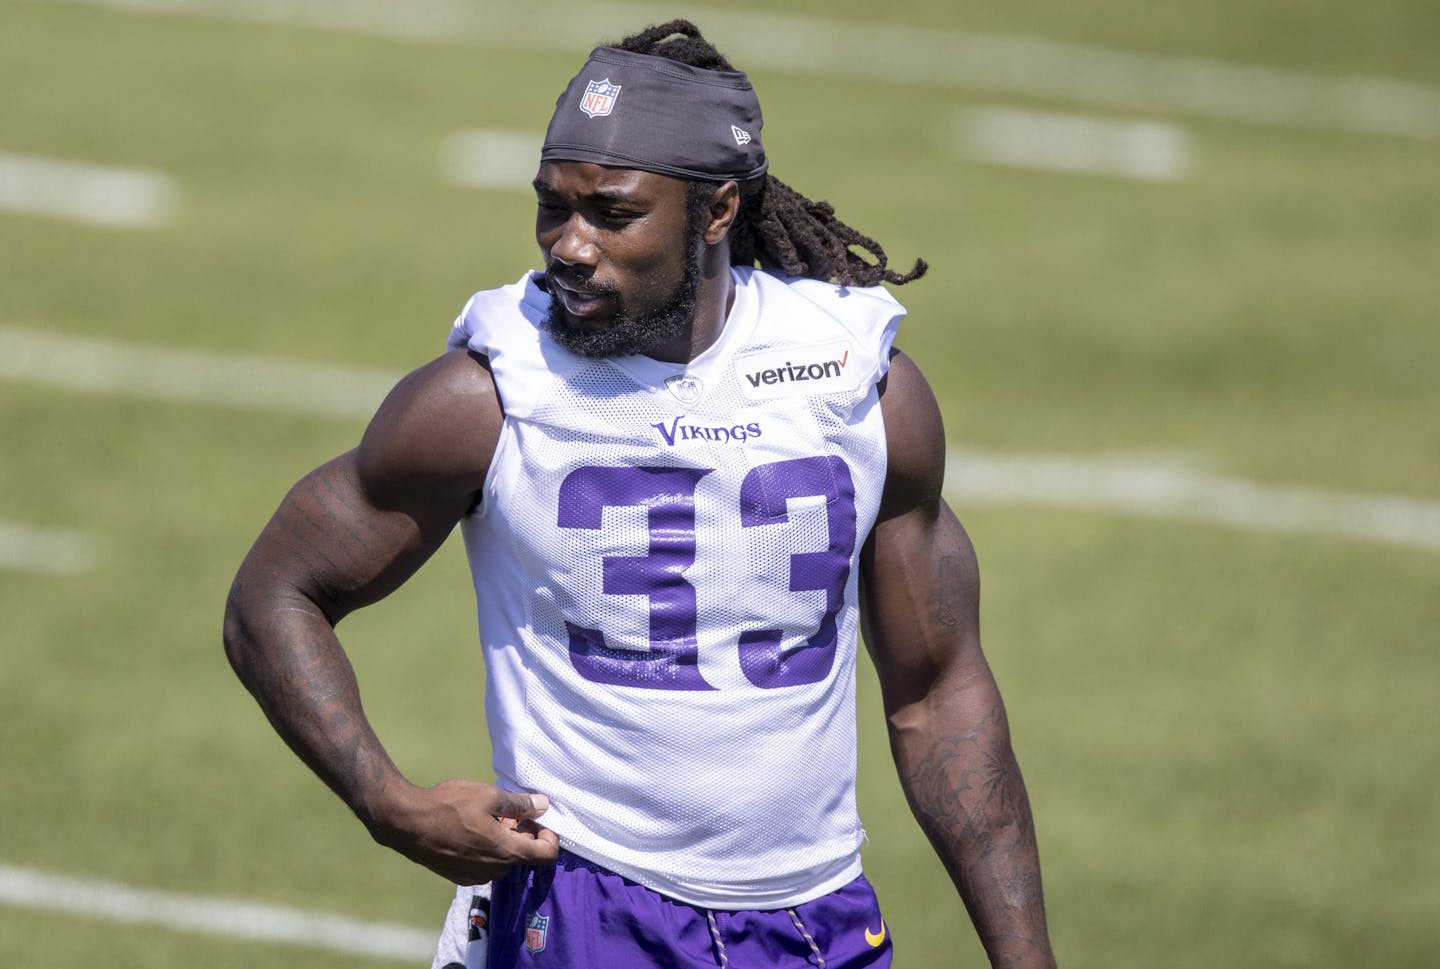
(577, 300)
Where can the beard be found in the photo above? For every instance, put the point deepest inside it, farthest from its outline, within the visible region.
(626, 335)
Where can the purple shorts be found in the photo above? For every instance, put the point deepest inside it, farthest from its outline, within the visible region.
(579, 914)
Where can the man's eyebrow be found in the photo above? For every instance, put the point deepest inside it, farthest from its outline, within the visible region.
(543, 187)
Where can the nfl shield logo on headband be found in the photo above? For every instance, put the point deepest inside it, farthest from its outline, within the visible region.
(599, 99)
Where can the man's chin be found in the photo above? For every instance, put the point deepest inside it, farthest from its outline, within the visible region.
(592, 337)
(566, 322)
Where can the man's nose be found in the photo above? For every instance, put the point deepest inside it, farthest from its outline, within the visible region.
(575, 245)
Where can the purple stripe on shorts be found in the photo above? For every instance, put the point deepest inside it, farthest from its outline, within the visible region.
(580, 914)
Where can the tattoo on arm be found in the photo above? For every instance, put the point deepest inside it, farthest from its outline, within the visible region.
(306, 687)
(949, 589)
(281, 640)
(970, 798)
(971, 784)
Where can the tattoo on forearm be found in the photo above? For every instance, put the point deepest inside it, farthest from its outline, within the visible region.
(295, 667)
(970, 798)
(308, 692)
(976, 762)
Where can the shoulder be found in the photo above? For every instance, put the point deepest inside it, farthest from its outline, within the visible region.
(492, 317)
(860, 320)
(842, 302)
(914, 438)
(437, 429)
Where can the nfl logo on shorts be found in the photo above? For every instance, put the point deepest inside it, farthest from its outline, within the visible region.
(599, 99)
(535, 929)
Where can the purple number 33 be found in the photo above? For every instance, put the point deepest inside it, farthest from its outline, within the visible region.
(668, 494)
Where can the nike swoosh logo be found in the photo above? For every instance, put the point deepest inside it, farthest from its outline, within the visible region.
(876, 939)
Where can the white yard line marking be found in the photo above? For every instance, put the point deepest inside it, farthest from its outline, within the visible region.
(25, 548)
(1012, 64)
(1146, 150)
(128, 198)
(974, 477)
(489, 158)
(235, 918)
(103, 366)
(1159, 491)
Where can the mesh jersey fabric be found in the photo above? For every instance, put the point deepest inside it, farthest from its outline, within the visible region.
(665, 560)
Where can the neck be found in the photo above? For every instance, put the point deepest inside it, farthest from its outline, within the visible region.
(712, 306)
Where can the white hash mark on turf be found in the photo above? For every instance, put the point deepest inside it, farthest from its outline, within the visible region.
(1163, 491)
(1073, 143)
(26, 548)
(235, 918)
(96, 365)
(488, 158)
(129, 198)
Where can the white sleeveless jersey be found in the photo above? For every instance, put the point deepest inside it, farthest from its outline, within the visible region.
(665, 561)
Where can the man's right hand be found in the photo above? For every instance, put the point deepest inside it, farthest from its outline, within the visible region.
(466, 831)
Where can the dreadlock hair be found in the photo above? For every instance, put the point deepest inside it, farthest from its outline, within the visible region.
(777, 227)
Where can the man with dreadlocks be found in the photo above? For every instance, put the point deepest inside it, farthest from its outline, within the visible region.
(688, 465)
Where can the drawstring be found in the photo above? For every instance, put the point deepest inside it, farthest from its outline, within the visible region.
(719, 942)
(819, 959)
(724, 958)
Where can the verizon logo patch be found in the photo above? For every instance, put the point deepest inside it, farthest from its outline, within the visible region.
(798, 371)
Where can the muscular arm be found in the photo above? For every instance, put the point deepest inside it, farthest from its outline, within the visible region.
(346, 535)
(948, 729)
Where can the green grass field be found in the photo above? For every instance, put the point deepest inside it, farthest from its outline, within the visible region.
(1229, 734)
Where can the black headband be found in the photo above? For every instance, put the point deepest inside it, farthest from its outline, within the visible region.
(632, 110)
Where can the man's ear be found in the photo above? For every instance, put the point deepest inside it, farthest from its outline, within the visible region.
(723, 207)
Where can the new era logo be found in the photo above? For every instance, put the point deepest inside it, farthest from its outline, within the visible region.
(742, 137)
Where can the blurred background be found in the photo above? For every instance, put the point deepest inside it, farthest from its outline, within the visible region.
(1181, 317)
